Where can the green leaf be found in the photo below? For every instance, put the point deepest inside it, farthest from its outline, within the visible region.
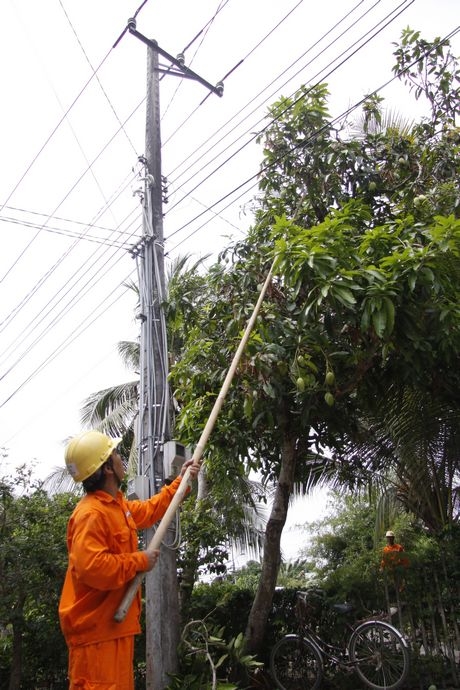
(239, 640)
(390, 314)
(379, 322)
(344, 295)
(268, 389)
(248, 406)
(221, 660)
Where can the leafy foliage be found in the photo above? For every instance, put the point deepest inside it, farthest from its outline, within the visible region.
(212, 640)
(365, 231)
(33, 559)
(430, 69)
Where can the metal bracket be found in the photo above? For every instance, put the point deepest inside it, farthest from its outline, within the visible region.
(178, 61)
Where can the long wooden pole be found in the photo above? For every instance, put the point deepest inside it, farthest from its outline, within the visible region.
(157, 539)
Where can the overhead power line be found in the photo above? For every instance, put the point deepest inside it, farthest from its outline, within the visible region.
(218, 132)
(204, 31)
(253, 178)
(60, 231)
(44, 278)
(74, 31)
(253, 129)
(76, 296)
(27, 298)
(238, 64)
(71, 221)
(100, 309)
(56, 128)
(96, 264)
(51, 135)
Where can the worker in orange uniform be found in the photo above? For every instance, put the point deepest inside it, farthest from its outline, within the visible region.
(103, 558)
(390, 558)
(392, 561)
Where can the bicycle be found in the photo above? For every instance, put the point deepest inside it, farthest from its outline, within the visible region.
(373, 648)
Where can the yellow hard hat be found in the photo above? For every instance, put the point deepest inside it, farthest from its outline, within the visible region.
(85, 453)
(390, 533)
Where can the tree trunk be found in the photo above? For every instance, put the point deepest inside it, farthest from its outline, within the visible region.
(16, 656)
(262, 604)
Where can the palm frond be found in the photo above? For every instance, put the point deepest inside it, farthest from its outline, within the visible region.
(389, 122)
(413, 445)
(129, 352)
(111, 410)
(59, 481)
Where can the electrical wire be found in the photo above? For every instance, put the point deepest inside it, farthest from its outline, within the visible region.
(217, 132)
(60, 231)
(255, 135)
(58, 316)
(122, 128)
(249, 181)
(53, 132)
(303, 143)
(69, 123)
(97, 78)
(40, 151)
(76, 333)
(217, 202)
(153, 393)
(210, 208)
(82, 236)
(58, 218)
(41, 282)
(69, 388)
(31, 326)
(77, 296)
(240, 62)
(453, 33)
(270, 123)
(204, 30)
(45, 277)
(35, 288)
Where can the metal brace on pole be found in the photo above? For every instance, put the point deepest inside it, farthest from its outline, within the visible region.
(178, 62)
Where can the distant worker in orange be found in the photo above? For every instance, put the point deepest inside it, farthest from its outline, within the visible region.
(103, 558)
(391, 554)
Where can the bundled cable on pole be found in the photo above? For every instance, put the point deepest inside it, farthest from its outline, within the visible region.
(157, 539)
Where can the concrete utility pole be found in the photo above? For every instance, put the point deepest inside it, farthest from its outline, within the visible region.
(161, 590)
(161, 600)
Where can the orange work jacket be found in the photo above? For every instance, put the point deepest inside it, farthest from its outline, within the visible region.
(103, 558)
(391, 557)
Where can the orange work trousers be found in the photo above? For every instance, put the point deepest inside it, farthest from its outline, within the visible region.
(102, 666)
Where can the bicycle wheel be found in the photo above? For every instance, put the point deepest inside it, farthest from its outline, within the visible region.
(296, 664)
(380, 654)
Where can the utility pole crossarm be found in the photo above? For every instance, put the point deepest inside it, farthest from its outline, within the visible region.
(177, 61)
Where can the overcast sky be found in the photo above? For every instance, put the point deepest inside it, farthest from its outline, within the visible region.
(72, 127)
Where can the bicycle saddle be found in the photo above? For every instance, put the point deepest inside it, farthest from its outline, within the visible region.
(343, 608)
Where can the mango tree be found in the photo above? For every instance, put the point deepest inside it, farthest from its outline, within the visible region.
(366, 236)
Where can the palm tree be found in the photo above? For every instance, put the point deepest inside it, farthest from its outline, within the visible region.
(412, 449)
